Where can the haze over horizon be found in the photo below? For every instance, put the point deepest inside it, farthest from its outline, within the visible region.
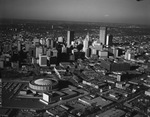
(107, 11)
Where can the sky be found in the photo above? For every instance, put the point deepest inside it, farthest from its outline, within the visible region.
(111, 11)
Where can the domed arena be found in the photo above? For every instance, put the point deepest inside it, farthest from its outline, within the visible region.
(43, 84)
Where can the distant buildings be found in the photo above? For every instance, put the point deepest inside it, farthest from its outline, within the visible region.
(129, 55)
(100, 47)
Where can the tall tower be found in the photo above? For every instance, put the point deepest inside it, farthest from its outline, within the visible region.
(39, 50)
(102, 35)
(109, 40)
(48, 42)
(70, 37)
(86, 43)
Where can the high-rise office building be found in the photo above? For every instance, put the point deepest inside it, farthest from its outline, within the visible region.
(43, 41)
(39, 50)
(44, 50)
(70, 37)
(102, 35)
(119, 52)
(109, 40)
(86, 43)
(52, 43)
(114, 51)
(88, 52)
(47, 42)
(128, 55)
(42, 60)
(48, 53)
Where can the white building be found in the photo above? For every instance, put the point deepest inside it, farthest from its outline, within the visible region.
(42, 60)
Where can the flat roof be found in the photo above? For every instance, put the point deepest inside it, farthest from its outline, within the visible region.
(101, 101)
(112, 113)
(4, 111)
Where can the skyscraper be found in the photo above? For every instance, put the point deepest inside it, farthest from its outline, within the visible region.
(109, 40)
(86, 43)
(102, 35)
(47, 42)
(43, 41)
(70, 37)
(39, 50)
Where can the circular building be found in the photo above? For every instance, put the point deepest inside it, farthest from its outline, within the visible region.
(43, 84)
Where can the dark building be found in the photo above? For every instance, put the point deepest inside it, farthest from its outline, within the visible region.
(53, 60)
(32, 52)
(115, 66)
(7, 112)
(88, 52)
(79, 55)
(70, 37)
(64, 57)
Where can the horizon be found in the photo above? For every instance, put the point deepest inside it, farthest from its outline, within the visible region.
(104, 11)
(10, 20)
